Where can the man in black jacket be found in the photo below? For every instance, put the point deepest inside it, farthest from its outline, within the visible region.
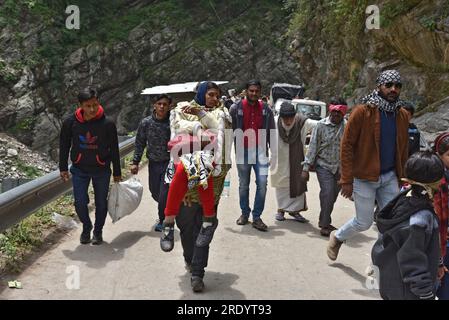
(91, 140)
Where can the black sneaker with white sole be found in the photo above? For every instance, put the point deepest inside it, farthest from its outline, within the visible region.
(168, 238)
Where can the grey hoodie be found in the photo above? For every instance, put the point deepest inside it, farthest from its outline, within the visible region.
(152, 134)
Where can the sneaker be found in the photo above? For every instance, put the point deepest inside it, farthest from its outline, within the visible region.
(206, 234)
(197, 284)
(168, 238)
(158, 227)
(333, 246)
(279, 216)
(298, 217)
(259, 225)
(85, 235)
(242, 220)
(97, 238)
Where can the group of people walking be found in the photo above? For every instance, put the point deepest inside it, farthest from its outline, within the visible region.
(367, 158)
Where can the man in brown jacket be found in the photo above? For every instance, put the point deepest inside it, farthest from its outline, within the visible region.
(373, 155)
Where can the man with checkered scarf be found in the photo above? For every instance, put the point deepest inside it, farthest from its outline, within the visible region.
(373, 152)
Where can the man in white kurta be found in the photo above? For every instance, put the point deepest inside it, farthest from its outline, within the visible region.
(288, 122)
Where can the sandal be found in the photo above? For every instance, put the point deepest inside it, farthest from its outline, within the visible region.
(298, 217)
(279, 216)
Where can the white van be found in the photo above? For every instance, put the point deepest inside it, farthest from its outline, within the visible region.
(312, 109)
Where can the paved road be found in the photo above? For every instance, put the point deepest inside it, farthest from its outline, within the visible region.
(287, 262)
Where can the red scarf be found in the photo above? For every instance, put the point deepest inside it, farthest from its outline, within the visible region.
(440, 203)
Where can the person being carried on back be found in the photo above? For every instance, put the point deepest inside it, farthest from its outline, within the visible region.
(203, 118)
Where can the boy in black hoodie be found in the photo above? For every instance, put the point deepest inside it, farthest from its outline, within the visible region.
(91, 139)
(407, 252)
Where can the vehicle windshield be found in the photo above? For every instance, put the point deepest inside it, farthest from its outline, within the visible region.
(310, 111)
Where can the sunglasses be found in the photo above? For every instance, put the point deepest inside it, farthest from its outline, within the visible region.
(391, 84)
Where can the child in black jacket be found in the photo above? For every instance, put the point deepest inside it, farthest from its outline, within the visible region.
(408, 250)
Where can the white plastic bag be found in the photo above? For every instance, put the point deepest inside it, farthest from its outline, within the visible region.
(124, 198)
(63, 222)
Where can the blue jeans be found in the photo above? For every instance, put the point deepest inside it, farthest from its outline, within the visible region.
(100, 182)
(257, 160)
(365, 194)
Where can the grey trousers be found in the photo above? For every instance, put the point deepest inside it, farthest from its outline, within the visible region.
(329, 190)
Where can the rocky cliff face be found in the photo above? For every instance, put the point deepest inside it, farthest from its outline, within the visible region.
(435, 120)
(169, 42)
(125, 46)
(17, 161)
(339, 56)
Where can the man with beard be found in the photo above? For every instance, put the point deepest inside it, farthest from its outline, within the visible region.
(373, 153)
(286, 167)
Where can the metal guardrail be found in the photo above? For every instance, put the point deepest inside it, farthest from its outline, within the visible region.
(18, 203)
